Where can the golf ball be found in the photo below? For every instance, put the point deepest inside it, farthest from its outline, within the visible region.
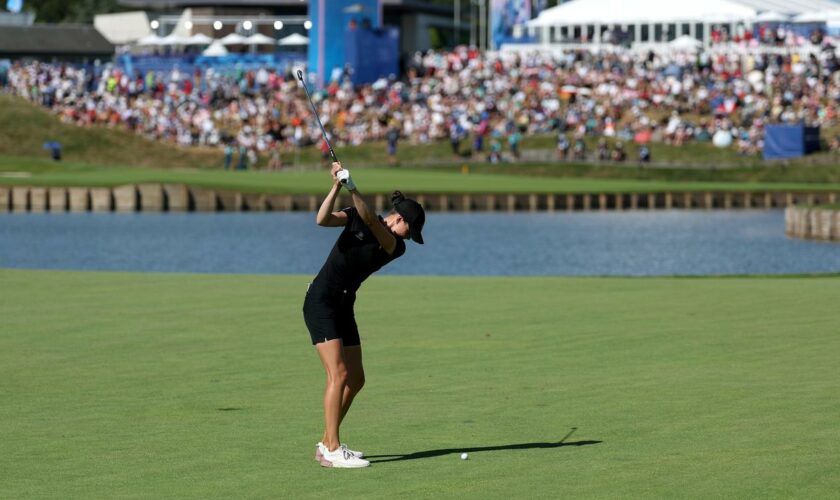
(464, 456)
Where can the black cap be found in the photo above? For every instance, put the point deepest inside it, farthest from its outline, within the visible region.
(412, 212)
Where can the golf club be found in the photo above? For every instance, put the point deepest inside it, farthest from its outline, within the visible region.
(300, 77)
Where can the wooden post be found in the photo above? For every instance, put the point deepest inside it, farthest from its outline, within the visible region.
(619, 201)
(57, 200)
(204, 200)
(177, 197)
(79, 199)
(20, 199)
(602, 202)
(379, 203)
(511, 203)
(5, 199)
(727, 200)
(768, 200)
(634, 201)
(669, 201)
(491, 203)
(151, 198)
(587, 202)
(125, 198)
(533, 203)
(549, 202)
(38, 199)
(101, 199)
(570, 202)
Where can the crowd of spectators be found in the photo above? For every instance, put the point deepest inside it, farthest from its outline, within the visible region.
(483, 104)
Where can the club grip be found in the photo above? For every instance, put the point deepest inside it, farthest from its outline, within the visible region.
(300, 75)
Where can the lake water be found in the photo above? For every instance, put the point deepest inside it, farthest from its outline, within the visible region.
(488, 244)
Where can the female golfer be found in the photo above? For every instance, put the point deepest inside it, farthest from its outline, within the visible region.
(366, 243)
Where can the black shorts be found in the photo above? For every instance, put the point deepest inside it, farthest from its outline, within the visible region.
(329, 315)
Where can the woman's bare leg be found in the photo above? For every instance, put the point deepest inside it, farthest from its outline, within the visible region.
(355, 377)
(331, 353)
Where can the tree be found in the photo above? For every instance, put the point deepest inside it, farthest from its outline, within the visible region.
(62, 11)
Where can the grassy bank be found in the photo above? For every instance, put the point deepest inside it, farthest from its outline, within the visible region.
(197, 386)
(375, 180)
(24, 127)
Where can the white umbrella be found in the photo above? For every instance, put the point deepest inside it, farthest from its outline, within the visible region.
(772, 17)
(173, 39)
(199, 39)
(685, 42)
(233, 39)
(150, 40)
(259, 39)
(216, 49)
(295, 39)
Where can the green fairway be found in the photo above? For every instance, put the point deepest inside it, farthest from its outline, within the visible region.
(377, 180)
(205, 386)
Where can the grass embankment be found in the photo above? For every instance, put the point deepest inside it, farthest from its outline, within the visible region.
(197, 386)
(102, 156)
(380, 180)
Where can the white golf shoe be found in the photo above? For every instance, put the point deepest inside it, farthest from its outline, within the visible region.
(318, 453)
(340, 458)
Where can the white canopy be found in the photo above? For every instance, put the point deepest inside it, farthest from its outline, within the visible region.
(215, 49)
(817, 17)
(294, 39)
(174, 39)
(642, 11)
(150, 40)
(199, 39)
(259, 39)
(685, 42)
(772, 17)
(233, 39)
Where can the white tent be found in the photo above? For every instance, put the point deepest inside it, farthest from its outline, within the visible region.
(215, 49)
(199, 39)
(685, 42)
(817, 17)
(233, 39)
(259, 39)
(772, 17)
(150, 40)
(603, 12)
(174, 39)
(294, 39)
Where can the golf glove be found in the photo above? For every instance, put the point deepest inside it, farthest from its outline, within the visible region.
(343, 177)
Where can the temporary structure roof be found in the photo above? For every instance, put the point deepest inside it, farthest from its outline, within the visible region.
(790, 6)
(150, 40)
(772, 17)
(259, 39)
(642, 11)
(817, 17)
(294, 39)
(199, 39)
(233, 39)
(215, 49)
(685, 42)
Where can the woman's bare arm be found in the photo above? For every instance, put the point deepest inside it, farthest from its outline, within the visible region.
(326, 217)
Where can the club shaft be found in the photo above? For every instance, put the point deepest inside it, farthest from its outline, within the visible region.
(317, 118)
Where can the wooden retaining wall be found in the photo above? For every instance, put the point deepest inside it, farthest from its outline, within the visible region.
(813, 223)
(179, 198)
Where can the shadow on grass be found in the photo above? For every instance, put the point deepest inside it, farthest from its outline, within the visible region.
(448, 451)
